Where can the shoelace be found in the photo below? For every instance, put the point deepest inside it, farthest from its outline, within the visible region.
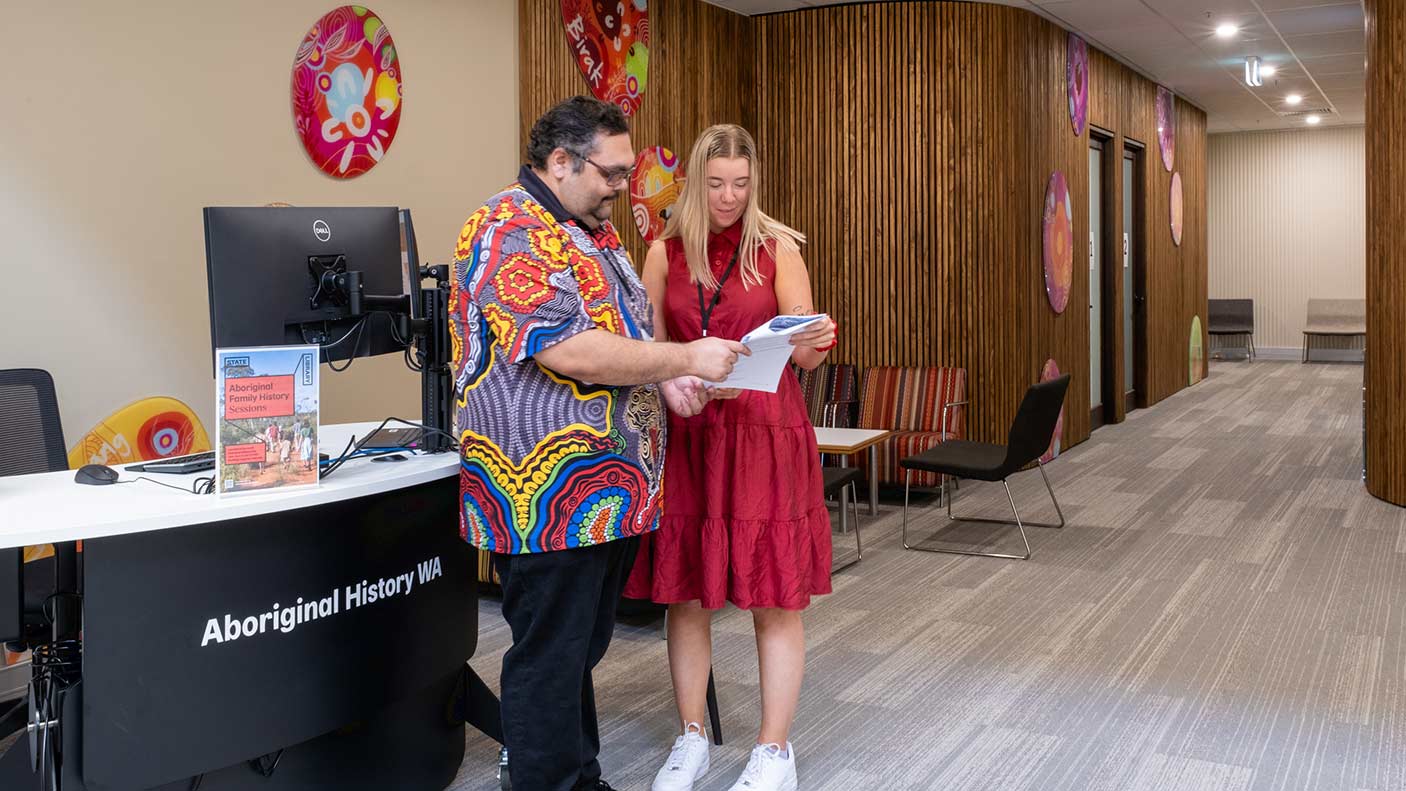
(684, 747)
(757, 763)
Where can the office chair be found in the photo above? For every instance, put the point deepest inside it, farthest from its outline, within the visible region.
(31, 441)
(1028, 438)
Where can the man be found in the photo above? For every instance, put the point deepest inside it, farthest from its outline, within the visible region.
(561, 425)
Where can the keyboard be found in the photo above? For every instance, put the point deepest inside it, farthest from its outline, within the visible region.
(177, 465)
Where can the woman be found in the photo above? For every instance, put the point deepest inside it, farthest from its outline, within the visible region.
(744, 517)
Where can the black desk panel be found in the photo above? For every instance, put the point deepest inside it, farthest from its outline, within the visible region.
(192, 662)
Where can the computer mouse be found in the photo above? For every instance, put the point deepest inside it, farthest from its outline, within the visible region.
(95, 475)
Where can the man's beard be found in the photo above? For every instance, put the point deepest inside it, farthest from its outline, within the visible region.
(604, 209)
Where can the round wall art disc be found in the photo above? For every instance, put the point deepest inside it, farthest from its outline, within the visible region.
(1076, 78)
(610, 41)
(347, 91)
(1058, 252)
(1167, 126)
(1178, 211)
(1049, 373)
(654, 188)
(1197, 352)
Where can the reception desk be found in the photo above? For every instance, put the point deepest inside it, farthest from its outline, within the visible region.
(314, 638)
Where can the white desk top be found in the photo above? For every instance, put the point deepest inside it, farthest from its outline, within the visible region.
(41, 509)
(847, 440)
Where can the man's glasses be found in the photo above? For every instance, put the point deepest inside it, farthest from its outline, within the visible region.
(613, 177)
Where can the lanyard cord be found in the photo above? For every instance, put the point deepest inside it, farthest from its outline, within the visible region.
(707, 313)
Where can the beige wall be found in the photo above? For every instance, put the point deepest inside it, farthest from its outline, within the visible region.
(1287, 222)
(124, 120)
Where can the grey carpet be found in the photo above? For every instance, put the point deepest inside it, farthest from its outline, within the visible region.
(1224, 611)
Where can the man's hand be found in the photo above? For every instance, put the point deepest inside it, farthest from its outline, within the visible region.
(685, 396)
(712, 359)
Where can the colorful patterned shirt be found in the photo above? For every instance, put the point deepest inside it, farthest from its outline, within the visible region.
(547, 462)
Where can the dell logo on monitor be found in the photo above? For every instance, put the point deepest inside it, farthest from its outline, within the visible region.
(321, 231)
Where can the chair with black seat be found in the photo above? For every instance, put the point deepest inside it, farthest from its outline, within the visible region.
(1029, 437)
(841, 482)
(31, 441)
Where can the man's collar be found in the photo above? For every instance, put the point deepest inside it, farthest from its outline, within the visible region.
(543, 194)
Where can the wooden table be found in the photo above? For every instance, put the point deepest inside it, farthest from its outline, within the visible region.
(847, 441)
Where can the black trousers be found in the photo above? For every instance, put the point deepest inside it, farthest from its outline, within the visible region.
(561, 609)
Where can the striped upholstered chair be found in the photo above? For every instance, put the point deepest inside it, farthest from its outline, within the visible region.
(923, 407)
(831, 392)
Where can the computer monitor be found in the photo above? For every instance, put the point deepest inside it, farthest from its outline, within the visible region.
(296, 275)
(410, 264)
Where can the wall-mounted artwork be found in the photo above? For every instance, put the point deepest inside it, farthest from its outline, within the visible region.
(1198, 351)
(610, 41)
(1178, 211)
(654, 188)
(347, 91)
(1058, 252)
(1167, 126)
(1076, 79)
(1049, 373)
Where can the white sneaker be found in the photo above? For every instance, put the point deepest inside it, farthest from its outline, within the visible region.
(768, 771)
(687, 762)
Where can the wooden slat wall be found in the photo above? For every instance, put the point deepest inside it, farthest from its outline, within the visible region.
(1386, 250)
(700, 74)
(912, 143)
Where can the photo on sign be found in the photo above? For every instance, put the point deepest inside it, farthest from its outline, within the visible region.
(267, 416)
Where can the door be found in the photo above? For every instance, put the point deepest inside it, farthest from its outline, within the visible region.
(1134, 284)
(1095, 282)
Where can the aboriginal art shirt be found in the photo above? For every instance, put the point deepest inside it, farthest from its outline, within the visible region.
(547, 462)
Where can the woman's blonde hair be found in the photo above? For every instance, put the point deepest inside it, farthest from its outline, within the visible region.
(690, 218)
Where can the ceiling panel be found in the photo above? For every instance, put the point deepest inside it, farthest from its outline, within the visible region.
(1319, 19)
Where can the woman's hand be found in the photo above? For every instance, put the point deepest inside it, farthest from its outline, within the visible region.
(723, 393)
(819, 336)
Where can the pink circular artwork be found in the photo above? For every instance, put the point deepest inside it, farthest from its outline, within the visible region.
(347, 91)
(1178, 214)
(654, 188)
(1049, 373)
(1167, 126)
(1076, 78)
(1058, 253)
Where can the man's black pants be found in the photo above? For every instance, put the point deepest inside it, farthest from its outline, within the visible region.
(561, 609)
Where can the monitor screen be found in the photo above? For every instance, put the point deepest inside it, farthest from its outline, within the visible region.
(268, 269)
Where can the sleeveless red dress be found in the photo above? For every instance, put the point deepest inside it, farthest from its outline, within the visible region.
(744, 518)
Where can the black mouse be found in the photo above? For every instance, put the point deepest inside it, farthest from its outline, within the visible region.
(95, 475)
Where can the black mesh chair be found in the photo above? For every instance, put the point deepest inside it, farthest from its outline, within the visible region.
(1029, 437)
(31, 441)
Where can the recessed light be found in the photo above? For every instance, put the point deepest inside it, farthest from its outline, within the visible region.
(1293, 99)
(1267, 71)
(1312, 120)
(1226, 30)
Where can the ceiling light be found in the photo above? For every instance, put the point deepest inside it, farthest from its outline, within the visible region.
(1226, 30)
(1253, 73)
(1293, 99)
(1312, 120)
(1267, 71)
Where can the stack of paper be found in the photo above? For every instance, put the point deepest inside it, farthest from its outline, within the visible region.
(771, 350)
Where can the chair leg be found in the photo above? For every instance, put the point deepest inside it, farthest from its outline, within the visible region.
(858, 542)
(714, 719)
(850, 493)
(1019, 523)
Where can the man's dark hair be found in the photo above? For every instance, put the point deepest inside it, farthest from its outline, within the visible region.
(573, 125)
